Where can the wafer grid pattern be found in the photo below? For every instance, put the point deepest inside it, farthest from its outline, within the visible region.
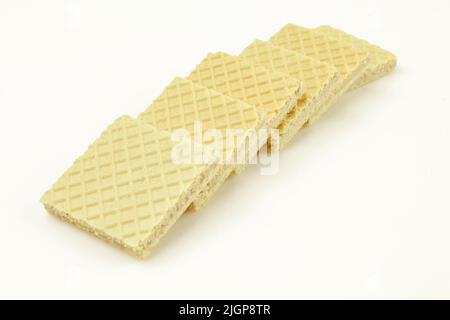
(124, 183)
(381, 62)
(269, 91)
(183, 102)
(313, 73)
(341, 54)
(318, 78)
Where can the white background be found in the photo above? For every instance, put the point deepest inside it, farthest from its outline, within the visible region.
(359, 209)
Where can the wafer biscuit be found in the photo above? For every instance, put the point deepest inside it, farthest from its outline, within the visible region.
(382, 62)
(318, 79)
(126, 189)
(348, 60)
(183, 103)
(270, 91)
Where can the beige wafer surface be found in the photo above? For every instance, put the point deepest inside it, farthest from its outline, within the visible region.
(318, 79)
(272, 92)
(183, 103)
(382, 62)
(348, 60)
(126, 189)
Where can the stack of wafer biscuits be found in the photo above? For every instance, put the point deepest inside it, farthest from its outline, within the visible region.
(129, 187)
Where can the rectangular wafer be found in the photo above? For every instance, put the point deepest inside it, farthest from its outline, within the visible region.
(125, 189)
